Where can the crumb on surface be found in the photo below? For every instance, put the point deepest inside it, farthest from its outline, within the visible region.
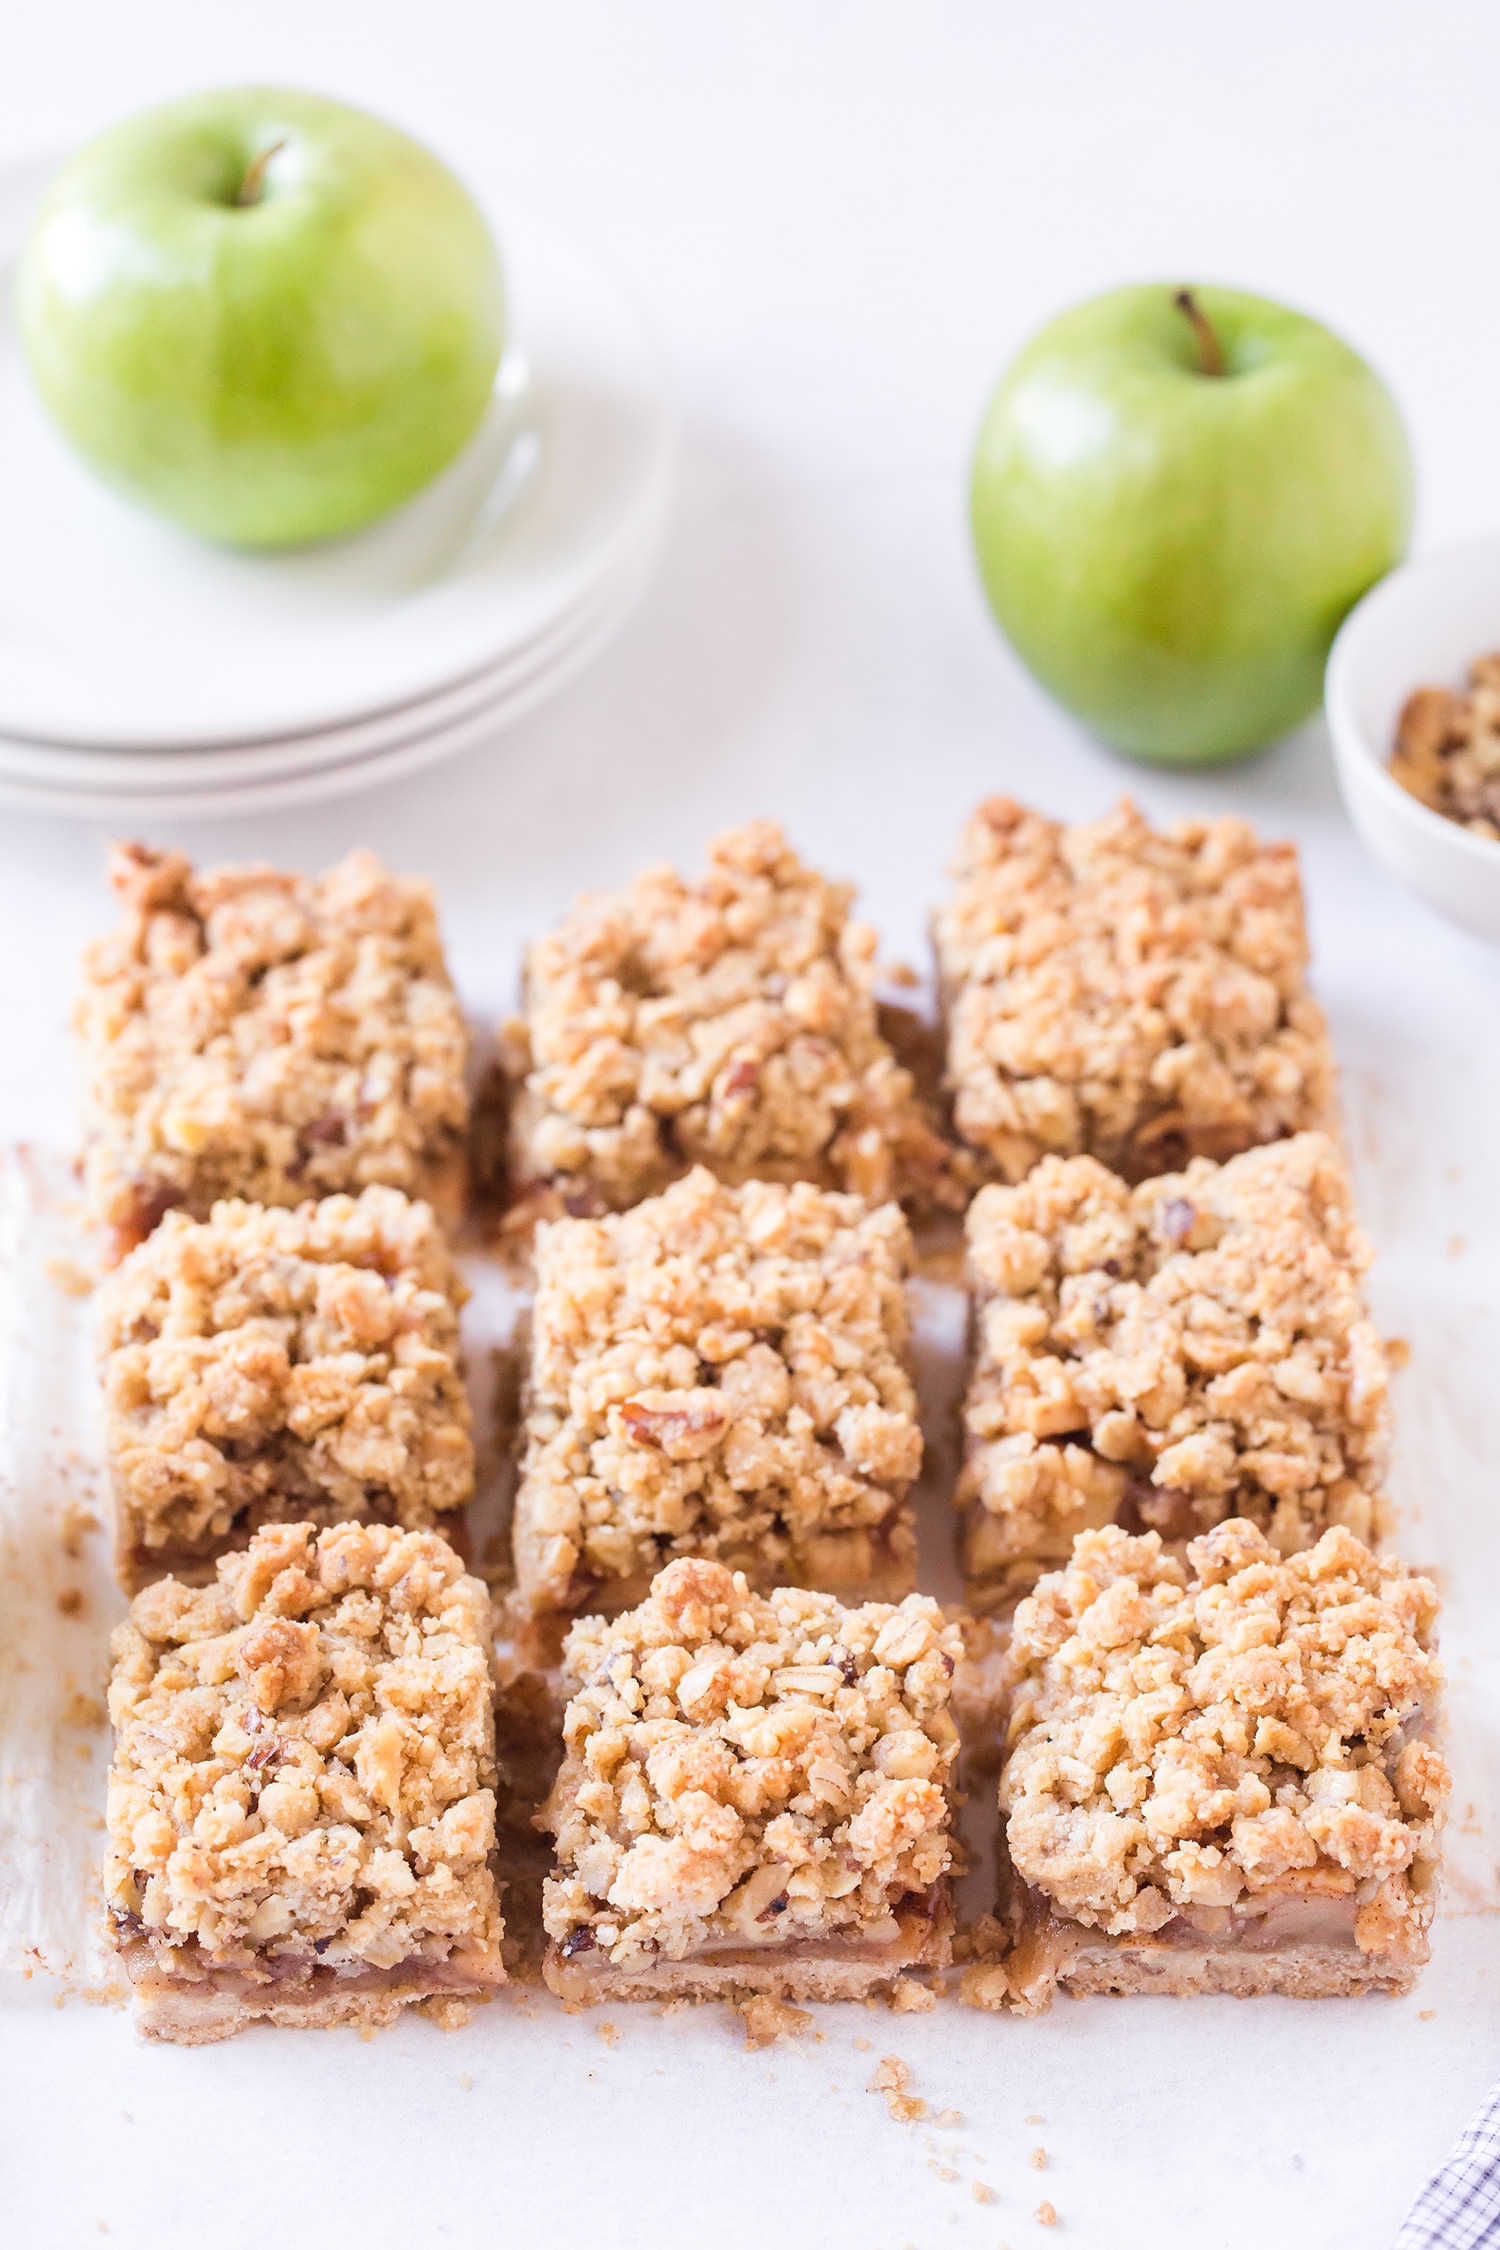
(768, 2019)
(1136, 995)
(984, 1985)
(863, 2046)
(719, 1371)
(75, 1523)
(892, 2077)
(1397, 1352)
(609, 2033)
(729, 1022)
(465, 2082)
(738, 1765)
(1185, 1743)
(1038, 2160)
(909, 1998)
(1045, 2215)
(449, 2011)
(276, 1036)
(1166, 1356)
(1425, 2015)
(71, 1278)
(982, 2193)
(949, 2119)
(82, 1710)
(70, 1601)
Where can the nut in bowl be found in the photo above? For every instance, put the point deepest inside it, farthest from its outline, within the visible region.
(1424, 627)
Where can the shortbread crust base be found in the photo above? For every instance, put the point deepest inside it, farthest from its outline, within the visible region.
(1050, 1954)
(812, 1972)
(197, 2011)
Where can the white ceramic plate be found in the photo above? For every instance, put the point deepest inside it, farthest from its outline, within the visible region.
(307, 783)
(117, 631)
(122, 773)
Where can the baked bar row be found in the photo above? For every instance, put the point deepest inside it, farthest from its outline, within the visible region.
(1220, 1776)
(724, 1373)
(1108, 991)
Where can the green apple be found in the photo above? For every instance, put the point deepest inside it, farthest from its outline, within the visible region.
(266, 316)
(1177, 495)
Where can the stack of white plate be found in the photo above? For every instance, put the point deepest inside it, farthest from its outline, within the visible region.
(143, 673)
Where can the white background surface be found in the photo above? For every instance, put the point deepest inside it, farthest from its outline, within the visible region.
(843, 215)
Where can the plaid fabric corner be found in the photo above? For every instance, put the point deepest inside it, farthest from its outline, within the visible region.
(1459, 2209)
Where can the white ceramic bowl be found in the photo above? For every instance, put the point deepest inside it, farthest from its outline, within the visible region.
(1423, 626)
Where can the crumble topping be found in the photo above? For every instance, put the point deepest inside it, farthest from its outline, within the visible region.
(267, 1035)
(304, 1764)
(1195, 1347)
(1215, 1741)
(719, 1371)
(729, 1022)
(747, 1770)
(1127, 994)
(1447, 752)
(271, 1363)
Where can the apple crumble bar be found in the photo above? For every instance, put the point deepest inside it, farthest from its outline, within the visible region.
(729, 1022)
(267, 1365)
(1447, 752)
(266, 1035)
(720, 1371)
(1114, 992)
(301, 1804)
(1164, 1356)
(1223, 1781)
(754, 1796)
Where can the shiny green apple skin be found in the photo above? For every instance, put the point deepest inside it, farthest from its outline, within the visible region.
(273, 373)
(1171, 552)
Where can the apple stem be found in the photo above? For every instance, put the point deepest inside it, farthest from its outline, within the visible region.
(253, 183)
(1210, 349)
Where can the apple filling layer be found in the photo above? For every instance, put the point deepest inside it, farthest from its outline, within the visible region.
(1165, 1357)
(917, 1935)
(1222, 1781)
(182, 1994)
(755, 1793)
(1307, 1948)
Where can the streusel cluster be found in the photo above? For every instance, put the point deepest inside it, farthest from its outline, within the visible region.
(729, 1022)
(304, 1760)
(720, 1371)
(1127, 994)
(761, 1771)
(275, 1036)
(272, 1364)
(1201, 1741)
(1192, 1348)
